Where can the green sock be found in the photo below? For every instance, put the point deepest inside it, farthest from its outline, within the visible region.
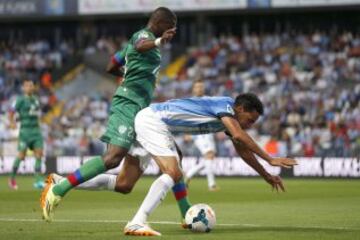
(38, 176)
(180, 193)
(88, 170)
(15, 167)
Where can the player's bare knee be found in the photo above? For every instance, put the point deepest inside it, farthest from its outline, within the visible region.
(123, 188)
(175, 174)
(112, 159)
(110, 162)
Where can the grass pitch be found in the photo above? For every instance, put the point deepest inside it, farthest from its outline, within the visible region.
(245, 209)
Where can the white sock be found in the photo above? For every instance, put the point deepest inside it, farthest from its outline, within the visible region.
(100, 182)
(197, 168)
(154, 197)
(210, 173)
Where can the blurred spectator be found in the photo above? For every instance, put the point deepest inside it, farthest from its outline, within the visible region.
(309, 84)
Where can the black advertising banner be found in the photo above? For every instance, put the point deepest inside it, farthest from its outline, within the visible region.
(231, 167)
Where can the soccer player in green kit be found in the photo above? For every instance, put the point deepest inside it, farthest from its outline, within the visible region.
(141, 59)
(28, 109)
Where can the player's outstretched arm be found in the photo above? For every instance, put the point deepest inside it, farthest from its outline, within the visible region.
(250, 159)
(239, 135)
(12, 119)
(145, 45)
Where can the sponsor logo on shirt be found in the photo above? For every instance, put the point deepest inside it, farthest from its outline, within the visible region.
(122, 129)
(143, 35)
(229, 109)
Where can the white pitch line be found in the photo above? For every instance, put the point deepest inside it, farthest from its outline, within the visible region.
(175, 223)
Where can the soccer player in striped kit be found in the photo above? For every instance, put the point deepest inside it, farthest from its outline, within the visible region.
(156, 124)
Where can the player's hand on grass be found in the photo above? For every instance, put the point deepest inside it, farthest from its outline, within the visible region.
(276, 183)
(283, 162)
(168, 35)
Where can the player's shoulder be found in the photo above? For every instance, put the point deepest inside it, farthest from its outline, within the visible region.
(35, 97)
(218, 100)
(143, 33)
(19, 99)
(220, 105)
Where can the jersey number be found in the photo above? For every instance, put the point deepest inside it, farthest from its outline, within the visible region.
(34, 111)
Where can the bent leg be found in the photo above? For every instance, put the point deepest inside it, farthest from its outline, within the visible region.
(95, 166)
(129, 175)
(20, 157)
(170, 168)
(38, 152)
(209, 163)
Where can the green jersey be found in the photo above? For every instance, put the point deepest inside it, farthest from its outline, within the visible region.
(136, 91)
(28, 109)
(141, 70)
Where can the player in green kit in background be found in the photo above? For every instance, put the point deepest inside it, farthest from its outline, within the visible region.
(28, 109)
(141, 59)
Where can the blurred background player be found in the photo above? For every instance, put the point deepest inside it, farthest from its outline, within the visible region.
(205, 143)
(141, 58)
(27, 108)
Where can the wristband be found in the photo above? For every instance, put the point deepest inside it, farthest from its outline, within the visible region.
(157, 42)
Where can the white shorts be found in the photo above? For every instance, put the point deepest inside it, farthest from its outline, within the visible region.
(139, 152)
(153, 134)
(205, 143)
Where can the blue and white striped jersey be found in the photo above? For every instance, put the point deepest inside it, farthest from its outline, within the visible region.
(197, 115)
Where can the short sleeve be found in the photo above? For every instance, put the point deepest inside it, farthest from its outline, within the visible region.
(15, 106)
(221, 107)
(119, 57)
(141, 36)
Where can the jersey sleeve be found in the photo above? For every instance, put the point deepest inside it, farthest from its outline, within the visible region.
(15, 106)
(221, 108)
(141, 36)
(119, 57)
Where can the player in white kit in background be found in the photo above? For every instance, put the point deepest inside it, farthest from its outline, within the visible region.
(205, 143)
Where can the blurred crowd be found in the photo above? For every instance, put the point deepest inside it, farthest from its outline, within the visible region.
(309, 84)
(35, 60)
(78, 129)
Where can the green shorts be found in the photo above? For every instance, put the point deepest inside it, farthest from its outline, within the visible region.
(30, 140)
(120, 127)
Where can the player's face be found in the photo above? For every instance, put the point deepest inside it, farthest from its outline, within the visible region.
(28, 87)
(198, 89)
(246, 118)
(164, 25)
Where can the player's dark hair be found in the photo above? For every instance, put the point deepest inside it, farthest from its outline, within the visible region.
(250, 102)
(163, 13)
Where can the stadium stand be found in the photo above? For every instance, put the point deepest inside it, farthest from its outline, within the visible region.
(292, 72)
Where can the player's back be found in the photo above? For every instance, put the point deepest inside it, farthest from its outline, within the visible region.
(197, 115)
(141, 70)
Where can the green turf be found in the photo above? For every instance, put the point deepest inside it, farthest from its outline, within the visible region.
(311, 209)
